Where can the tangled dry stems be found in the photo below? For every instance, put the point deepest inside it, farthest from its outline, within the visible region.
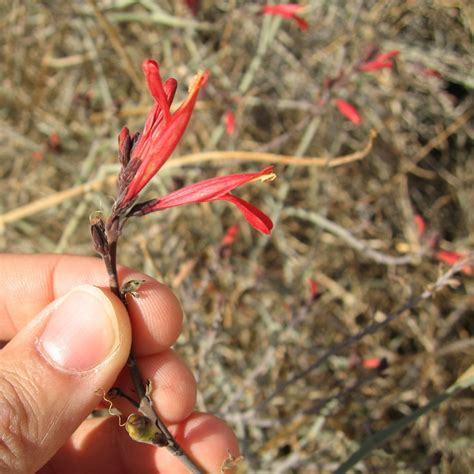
(72, 70)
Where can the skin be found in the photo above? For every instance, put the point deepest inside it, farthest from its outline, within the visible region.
(43, 410)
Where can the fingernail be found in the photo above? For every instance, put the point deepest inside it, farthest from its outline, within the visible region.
(82, 331)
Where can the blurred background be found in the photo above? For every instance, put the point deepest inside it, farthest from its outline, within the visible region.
(311, 339)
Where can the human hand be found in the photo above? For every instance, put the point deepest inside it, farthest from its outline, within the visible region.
(69, 339)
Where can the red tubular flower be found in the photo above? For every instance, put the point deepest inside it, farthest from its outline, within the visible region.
(349, 111)
(141, 157)
(381, 61)
(371, 363)
(388, 55)
(230, 235)
(452, 258)
(420, 225)
(289, 11)
(213, 189)
(229, 122)
(375, 66)
(163, 129)
(313, 288)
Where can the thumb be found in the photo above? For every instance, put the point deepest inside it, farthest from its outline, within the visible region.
(51, 370)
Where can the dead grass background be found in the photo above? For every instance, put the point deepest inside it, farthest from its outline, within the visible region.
(73, 69)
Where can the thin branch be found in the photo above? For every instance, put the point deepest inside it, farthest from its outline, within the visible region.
(444, 280)
(105, 239)
(329, 162)
(345, 235)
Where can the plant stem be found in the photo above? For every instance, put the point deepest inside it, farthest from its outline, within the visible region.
(145, 405)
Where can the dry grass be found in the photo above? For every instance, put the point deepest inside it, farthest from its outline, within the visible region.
(73, 70)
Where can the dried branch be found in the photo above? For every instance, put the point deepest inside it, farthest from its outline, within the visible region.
(345, 235)
(444, 280)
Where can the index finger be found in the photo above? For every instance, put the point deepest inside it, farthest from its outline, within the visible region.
(30, 282)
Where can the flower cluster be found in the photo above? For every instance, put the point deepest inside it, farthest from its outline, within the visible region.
(143, 155)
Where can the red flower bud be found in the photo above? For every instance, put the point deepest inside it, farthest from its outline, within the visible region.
(349, 111)
(230, 235)
(420, 225)
(230, 122)
(313, 288)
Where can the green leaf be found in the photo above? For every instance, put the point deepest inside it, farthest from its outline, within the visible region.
(375, 440)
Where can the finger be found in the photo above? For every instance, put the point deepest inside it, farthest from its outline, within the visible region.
(50, 372)
(30, 282)
(101, 446)
(173, 386)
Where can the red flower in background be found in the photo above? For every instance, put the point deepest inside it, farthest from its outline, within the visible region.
(230, 235)
(451, 258)
(193, 5)
(371, 363)
(349, 111)
(313, 288)
(427, 71)
(420, 225)
(381, 61)
(289, 11)
(446, 256)
(229, 122)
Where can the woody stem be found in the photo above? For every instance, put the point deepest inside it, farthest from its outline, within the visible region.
(111, 265)
(145, 405)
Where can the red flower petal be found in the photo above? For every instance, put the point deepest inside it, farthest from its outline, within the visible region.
(449, 257)
(302, 24)
(452, 258)
(313, 288)
(372, 363)
(349, 111)
(230, 235)
(254, 216)
(375, 65)
(156, 114)
(420, 225)
(209, 189)
(155, 85)
(230, 122)
(289, 11)
(381, 61)
(387, 55)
